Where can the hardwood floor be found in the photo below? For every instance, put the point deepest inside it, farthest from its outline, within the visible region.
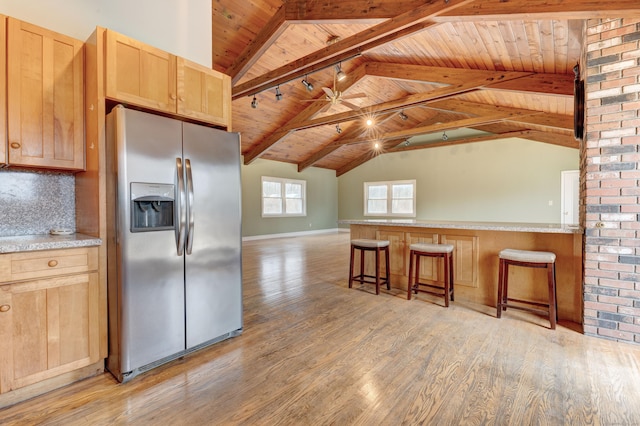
(315, 352)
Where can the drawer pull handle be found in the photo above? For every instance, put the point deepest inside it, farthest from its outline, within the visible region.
(5, 308)
(52, 263)
(15, 145)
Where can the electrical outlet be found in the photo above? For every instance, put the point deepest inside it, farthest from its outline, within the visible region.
(550, 202)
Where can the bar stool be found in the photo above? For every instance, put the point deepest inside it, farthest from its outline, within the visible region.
(376, 246)
(530, 259)
(444, 251)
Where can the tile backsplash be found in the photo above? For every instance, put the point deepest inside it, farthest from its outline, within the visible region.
(33, 202)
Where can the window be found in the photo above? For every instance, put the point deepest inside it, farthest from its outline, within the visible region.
(394, 198)
(283, 197)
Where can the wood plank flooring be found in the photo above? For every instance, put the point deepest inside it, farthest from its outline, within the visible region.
(314, 352)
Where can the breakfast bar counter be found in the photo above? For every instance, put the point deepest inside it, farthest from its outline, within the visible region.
(476, 248)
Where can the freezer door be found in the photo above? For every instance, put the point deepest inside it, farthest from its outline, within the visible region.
(151, 272)
(213, 269)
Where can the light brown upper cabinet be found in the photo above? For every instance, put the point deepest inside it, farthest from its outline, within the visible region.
(45, 89)
(204, 94)
(143, 75)
(140, 74)
(3, 89)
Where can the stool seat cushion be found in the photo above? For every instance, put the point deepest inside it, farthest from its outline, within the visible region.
(432, 248)
(528, 256)
(369, 243)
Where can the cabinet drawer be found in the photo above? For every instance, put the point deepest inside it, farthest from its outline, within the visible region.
(48, 263)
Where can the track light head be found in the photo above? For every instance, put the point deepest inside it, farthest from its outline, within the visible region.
(403, 116)
(254, 102)
(278, 94)
(338, 129)
(340, 75)
(444, 136)
(308, 85)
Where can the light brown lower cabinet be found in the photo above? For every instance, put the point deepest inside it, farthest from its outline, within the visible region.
(49, 314)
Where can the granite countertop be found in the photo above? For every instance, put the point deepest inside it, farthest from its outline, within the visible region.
(479, 226)
(46, 242)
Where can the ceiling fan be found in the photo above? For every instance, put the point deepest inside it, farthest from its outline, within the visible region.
(335, 96)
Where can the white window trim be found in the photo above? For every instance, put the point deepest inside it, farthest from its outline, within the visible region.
(389, 185)
(283, 182)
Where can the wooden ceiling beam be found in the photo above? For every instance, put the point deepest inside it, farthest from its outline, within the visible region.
(559, 139)
(545, 84)
(496, 10)
(400, 26)
(527, 82)
(313, 11)
(450, 142)
(252, 52)
(498, 115)
(547, 119)
(557, 122)
(441, 74)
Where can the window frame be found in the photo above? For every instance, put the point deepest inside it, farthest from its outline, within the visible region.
(389, 184)
(283, 183)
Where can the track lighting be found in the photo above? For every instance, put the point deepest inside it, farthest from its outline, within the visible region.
(444, 136)
(406, 143)
(306, 84)
(340, 75)
(403, 116)
(338, 129)
(254, 102)
(278, 94)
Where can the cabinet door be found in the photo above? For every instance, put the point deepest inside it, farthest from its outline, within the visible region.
(45, 98)
(203, 94)
(465, 259)
(48, 327)
(428, 265)
(140, 74)
(3, 90)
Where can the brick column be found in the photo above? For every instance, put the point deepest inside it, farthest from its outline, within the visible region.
(610, 158)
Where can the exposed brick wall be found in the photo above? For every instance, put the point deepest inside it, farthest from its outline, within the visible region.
(610, 157)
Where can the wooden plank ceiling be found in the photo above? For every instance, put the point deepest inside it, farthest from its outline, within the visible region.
(428, 73)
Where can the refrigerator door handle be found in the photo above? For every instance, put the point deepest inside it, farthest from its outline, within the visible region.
(182, 208)
(187, 166)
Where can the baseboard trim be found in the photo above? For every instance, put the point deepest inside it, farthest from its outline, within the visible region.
(295, 234)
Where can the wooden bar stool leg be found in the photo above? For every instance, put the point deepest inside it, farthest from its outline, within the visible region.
(505, 280)
(361, 265)
(500, 287)
(386, 259)
(446, 281)
(451, 274)
(378, 271)
(351, 266)
(416, 277)
(551, 276)
(410, 281)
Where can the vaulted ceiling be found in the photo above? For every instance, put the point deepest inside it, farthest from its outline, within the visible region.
(427, 73)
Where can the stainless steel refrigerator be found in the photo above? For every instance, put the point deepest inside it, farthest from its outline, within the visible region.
(174, 239)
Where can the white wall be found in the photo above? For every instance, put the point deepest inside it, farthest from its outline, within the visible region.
(181, 27)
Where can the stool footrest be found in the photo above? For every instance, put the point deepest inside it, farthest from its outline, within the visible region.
(527, 308)
(361, 278)
(528, 302)
(416, 288)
